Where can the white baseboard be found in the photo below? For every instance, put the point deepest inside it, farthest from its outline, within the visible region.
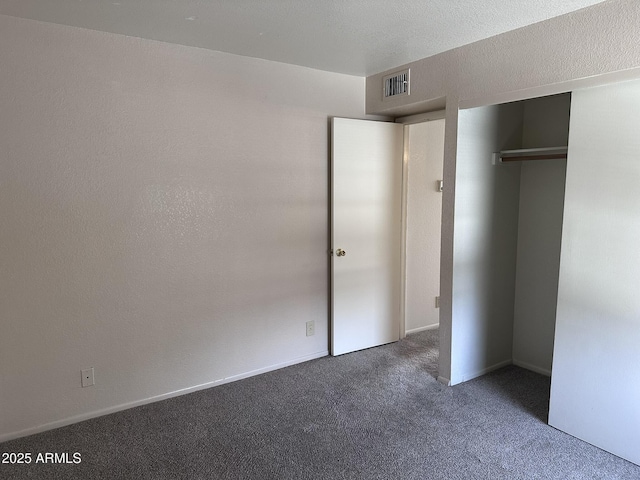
(471, 375)
(504, 363)
(422, 329)
(533, 368)
(445, 381)
(125, 406)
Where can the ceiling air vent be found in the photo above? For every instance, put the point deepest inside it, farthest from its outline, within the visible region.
(396, 84)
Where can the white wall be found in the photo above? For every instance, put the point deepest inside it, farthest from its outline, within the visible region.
(424, 217)
(546, 124)
(595, 387)
(164, 218)
(486, 227)
(592, 46)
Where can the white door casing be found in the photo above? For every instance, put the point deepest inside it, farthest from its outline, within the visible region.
(366, 178)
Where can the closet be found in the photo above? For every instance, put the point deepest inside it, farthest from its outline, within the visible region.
(546, 254)
(509, 201)
(542, 161)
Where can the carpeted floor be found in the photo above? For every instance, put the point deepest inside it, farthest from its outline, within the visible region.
(374, 414)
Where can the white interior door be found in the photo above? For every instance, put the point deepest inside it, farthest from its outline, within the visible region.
(595, 384)
(366, 233)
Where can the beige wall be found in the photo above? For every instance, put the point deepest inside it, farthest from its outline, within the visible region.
(164, 218)
(592, 46)
(589, 42)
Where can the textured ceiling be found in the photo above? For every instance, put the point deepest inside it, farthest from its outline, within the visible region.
(358, 37)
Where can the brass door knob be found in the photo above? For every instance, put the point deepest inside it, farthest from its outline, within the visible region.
(340, 253)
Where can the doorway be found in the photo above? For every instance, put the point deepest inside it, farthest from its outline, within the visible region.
(356, 321)
(423, 164)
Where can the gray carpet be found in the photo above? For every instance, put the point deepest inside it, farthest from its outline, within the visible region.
(374, 414)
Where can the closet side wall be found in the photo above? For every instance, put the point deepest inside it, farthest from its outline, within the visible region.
(546, 124)
(485, 239)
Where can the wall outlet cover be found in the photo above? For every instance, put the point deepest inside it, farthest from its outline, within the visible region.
(88, 377)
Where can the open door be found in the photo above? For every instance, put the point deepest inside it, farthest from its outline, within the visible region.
(366, 202)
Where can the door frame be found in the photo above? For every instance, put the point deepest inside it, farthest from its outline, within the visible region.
(406, 121)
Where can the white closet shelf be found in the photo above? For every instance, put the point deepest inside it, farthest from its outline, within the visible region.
(548, 153)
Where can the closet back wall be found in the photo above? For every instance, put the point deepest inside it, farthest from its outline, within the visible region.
(546, 124)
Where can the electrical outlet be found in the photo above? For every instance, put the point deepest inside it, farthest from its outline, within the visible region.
(311, 328)
(437, 302)
(88, 377)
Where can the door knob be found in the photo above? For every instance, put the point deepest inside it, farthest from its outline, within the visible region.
(340, 253)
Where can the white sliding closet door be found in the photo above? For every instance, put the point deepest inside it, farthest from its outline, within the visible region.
(595, 388)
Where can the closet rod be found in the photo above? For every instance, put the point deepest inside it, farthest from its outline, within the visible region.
(555, 156)
(546, 153)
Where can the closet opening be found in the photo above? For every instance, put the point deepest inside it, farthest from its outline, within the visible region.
(510, 180)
